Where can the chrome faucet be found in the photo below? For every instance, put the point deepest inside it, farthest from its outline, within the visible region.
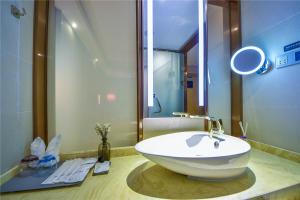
(215, 126)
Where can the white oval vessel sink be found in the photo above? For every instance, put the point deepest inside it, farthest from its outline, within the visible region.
(195, 154)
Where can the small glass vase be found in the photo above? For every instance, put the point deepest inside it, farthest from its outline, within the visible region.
(104, 151)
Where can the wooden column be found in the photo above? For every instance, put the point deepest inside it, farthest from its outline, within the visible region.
(41, 10)
(236, 80)
(140, 69)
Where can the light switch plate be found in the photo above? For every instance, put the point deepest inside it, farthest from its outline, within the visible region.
(287, 59)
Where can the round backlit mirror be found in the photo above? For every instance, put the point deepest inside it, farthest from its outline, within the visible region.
(249, 60)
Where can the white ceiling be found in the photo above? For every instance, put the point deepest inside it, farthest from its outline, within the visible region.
(174, 22)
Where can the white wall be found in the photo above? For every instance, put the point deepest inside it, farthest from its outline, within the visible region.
(80, 81)
(16, 82)
(164, 125)
(51, 71)
(219, 94)
(271, 101)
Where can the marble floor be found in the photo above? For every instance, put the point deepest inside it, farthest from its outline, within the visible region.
(136, 178)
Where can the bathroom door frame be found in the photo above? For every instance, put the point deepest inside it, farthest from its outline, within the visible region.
(186, 47)
(234, 10)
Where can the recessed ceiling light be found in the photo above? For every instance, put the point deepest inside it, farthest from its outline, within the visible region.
(74, 25)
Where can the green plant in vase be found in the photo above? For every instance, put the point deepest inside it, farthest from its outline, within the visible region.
(104, 147)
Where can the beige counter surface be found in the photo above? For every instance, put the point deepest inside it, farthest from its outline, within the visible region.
(134, 178)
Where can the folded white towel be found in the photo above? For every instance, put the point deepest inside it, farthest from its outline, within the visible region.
(101, 168)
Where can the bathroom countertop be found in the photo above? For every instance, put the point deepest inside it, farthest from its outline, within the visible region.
(134, 177)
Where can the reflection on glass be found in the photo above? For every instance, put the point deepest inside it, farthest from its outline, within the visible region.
(171, 29)
(168, 87)
(90, 75)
